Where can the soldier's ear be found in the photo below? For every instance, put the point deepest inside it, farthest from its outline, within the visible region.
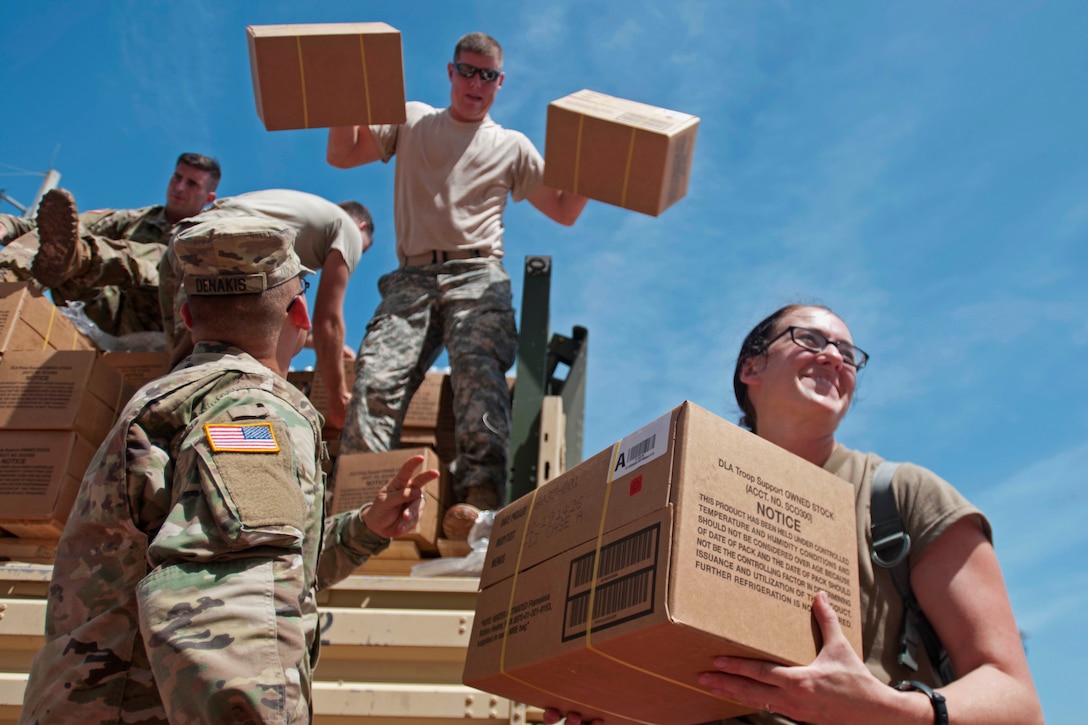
(299, 314)
(187, 315)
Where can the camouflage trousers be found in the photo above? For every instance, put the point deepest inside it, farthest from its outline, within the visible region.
(118, 285)
(467, 307)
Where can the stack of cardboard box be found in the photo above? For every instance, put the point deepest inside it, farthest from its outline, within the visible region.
(139, 367)
(58, 400)
(428, 431)
(428, 421)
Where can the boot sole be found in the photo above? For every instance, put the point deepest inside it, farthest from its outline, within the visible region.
(58, 232)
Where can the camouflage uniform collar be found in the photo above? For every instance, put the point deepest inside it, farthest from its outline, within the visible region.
(157, 215)
(210, 350)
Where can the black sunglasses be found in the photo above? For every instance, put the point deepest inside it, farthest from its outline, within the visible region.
(487, 75)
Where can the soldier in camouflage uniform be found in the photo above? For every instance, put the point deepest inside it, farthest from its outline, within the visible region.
(330, 238)
(455, 169)
(184, 584)
(107, 259)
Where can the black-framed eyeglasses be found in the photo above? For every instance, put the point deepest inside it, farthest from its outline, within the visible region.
(305, 287)
(816, 341)
(487, 75)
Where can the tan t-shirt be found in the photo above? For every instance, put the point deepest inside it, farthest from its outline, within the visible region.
(928, 505)
(321, 225)
(453, 179)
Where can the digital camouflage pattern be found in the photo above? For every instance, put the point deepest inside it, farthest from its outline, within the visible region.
(184, 583)
(467, 307)
(118, 283)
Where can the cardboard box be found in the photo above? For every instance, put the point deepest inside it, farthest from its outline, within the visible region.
(137, 368)
(40, 475)
(326, 74)
(29, 321)
(431, 406)
(441, 440)
(688, 539)
(302, 379)
(60, 390)
(360, 475)
(319, 393)
(617, 151)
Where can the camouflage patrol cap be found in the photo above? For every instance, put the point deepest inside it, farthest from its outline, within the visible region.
(236, 256)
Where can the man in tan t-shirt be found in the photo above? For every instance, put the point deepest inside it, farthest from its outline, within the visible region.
(455, 168)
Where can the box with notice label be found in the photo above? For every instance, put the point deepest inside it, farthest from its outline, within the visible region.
(611, 587)
(320, 75)
(60, 390)
(621, 152)
(360, 476)
(40, 475)
(138, 367)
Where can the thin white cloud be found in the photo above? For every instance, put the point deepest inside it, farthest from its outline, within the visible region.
(1038, 511)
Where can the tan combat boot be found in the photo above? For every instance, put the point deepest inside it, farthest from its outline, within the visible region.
(458, 521)
(459, 518)
(62, 253)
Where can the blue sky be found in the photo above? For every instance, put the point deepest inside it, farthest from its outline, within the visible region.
(921, 167)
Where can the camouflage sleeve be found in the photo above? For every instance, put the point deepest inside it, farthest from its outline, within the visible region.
(12, 227)
(226, 613)
(348, 543)
(110, 223)
(170, 305)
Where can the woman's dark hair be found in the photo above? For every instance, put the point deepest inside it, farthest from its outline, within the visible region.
(754, 345)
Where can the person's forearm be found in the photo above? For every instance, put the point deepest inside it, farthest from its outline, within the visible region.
(571, 206)
(342, 140)
(329, 350)
(988, 696)
(349, 146)
(348, 542)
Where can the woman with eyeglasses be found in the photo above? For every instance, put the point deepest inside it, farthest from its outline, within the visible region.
(794, 380)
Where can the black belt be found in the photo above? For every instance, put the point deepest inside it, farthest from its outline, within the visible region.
(436, 257)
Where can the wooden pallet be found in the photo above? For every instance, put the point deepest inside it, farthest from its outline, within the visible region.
(392, 650)
(32, 551)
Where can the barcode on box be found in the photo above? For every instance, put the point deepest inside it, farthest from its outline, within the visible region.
(642, 449)
(626, 582)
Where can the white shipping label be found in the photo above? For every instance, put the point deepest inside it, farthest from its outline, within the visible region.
(648, 443)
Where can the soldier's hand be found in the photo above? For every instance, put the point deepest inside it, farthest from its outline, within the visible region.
(397, 505)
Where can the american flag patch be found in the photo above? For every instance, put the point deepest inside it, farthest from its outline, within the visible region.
(246, 438)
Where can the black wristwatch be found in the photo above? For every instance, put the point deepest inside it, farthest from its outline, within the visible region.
(940, 711)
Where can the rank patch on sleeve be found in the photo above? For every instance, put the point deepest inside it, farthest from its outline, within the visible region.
(242, 438)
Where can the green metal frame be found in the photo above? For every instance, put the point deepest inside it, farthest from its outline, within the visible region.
(541, 360)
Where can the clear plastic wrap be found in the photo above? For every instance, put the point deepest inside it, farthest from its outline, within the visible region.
(132, 342)
(471, 564)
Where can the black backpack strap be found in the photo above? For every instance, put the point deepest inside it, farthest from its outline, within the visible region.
(889, 549)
